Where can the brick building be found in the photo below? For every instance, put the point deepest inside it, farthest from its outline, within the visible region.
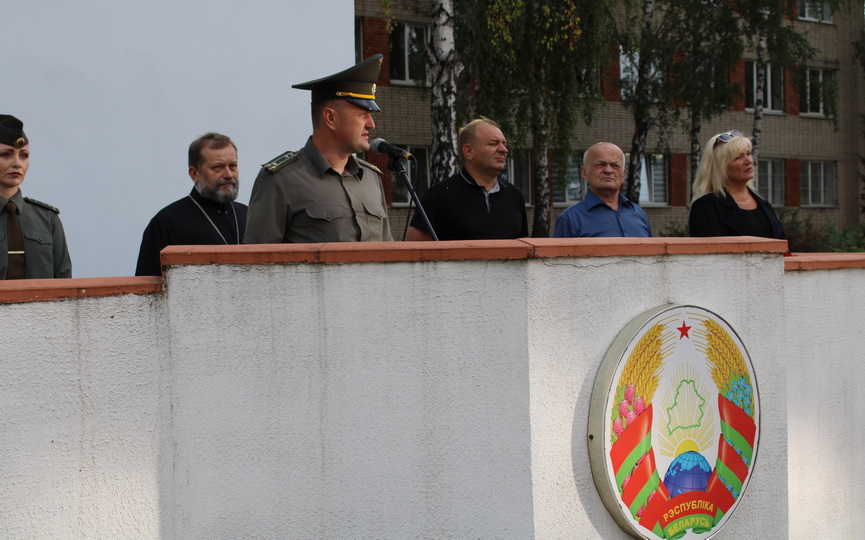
(807, 161)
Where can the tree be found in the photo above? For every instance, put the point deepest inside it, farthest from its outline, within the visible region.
(860, 55)
(533, 66)
(647, 56)
(709, 46)
(445, 69)
(769, 30)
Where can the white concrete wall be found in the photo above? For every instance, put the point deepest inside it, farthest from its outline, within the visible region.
(384, 400)
(359, 400)
(826, 402)
(81, 418)
(577, 307)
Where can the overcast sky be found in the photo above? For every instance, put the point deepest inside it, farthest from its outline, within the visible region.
(111, 93)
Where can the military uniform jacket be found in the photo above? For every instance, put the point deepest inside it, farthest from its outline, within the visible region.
(302, 199)
(45, 252)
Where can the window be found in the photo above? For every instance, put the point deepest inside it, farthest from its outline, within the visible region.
(568, 185)
(654, 180)
(519, 172)
(818, 95)
(818, 183)
(811, 10)
(419, 176)
(408, 44)
(773, 94)
(771, 181)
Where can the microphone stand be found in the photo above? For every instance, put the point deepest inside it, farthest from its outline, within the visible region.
(396, 165)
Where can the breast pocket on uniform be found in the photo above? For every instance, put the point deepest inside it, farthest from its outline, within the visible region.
(326, 213)
(375, 210)
(38, 249)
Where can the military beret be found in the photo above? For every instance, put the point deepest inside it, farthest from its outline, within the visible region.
(12, 131)
(356, 84)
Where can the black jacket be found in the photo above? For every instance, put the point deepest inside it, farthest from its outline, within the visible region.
(715, 215)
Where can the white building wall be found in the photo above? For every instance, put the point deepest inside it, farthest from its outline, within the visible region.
(402, 399)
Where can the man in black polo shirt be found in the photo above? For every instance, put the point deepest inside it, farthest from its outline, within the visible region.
(474, 204)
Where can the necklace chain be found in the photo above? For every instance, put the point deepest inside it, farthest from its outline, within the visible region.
(212, 224)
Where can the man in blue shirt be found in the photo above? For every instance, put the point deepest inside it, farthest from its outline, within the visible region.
(604, 211)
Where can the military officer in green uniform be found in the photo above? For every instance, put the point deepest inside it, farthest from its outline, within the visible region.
(32, 241)
(323, 193)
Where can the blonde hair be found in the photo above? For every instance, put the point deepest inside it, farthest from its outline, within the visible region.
(712, 170)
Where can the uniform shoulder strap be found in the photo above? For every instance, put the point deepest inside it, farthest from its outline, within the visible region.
(368, 164)
(281, 161)
(43, 205)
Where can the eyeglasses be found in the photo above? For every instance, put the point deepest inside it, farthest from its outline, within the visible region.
(726, 137)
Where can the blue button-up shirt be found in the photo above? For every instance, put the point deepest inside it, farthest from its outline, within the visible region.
(593, 217)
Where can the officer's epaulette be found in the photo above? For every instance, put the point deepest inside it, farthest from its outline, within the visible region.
(281, 161)
(368, 164)
(42, 204)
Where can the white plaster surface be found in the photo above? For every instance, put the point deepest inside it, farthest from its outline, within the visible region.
(825, 315)
(577, 308)
(401, 400)
(359, 400)
(80, 418)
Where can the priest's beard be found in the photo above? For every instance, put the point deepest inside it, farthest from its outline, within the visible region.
(217, 193)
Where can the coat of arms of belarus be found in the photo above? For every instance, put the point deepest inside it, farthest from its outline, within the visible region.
(674, 424)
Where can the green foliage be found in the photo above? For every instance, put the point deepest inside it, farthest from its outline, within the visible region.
(851, 239)
(859, 51)
(522, 54)
(533, 66)
(386, 12)
(675, 229)
(804, 236)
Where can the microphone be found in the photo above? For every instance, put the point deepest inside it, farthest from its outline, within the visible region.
(383, 147)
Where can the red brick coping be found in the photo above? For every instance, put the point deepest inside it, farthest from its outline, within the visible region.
(41, 290)
(824, 261)
(35, 290)
(524, 248)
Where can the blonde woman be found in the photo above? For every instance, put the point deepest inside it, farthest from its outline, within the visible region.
(725, 201)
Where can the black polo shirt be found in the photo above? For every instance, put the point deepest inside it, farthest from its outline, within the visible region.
(461, 209)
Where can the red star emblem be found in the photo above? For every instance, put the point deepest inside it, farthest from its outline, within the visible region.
(683, 331)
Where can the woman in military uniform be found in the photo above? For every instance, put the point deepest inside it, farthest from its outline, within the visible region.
(32, 241)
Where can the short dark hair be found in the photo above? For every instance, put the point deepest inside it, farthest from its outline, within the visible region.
(208, 140)
(466, 134)
(318, 107)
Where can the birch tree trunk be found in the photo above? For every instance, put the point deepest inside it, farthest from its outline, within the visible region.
(635, 163)
(445, 68)
(696, 149)
(541, 221)
(541, 149)
(642, 108)
(759, 93)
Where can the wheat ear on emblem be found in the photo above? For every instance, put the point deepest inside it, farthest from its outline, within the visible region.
(728, 367)
(631, 454)
(737, 406)
(639, 381)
